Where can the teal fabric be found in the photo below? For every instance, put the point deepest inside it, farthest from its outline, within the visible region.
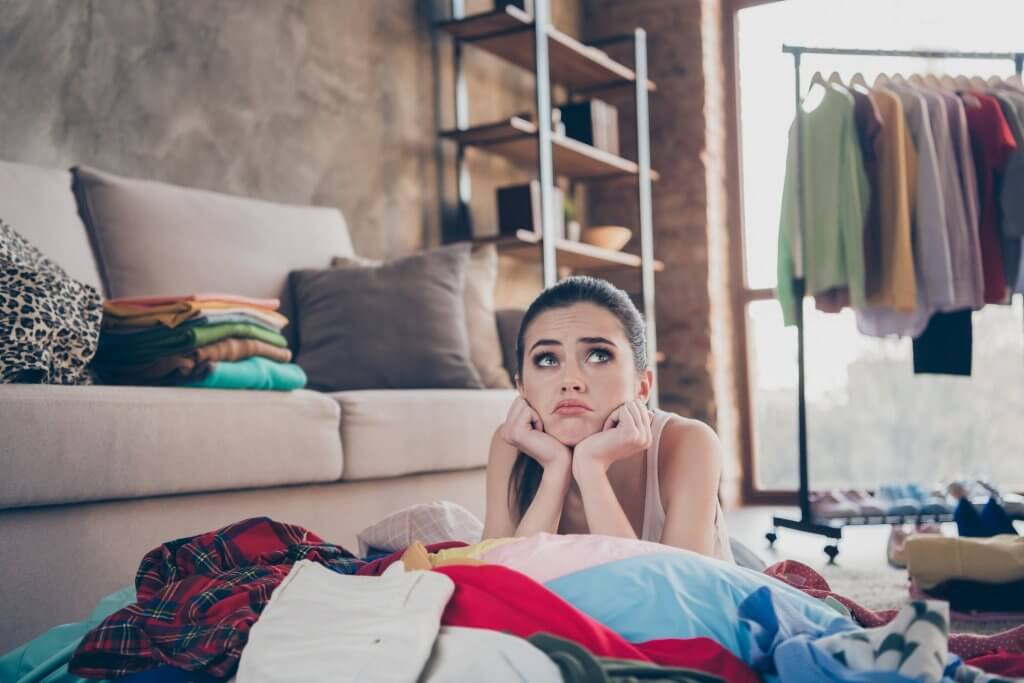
(45, 659)
(253, 373)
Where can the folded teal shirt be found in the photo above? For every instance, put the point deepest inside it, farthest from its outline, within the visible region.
(45, 659)
(253, 373)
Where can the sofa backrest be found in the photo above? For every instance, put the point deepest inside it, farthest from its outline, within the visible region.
(38, 204)
(156, 239)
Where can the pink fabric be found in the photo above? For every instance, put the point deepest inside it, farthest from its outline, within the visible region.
(545, 557)
(966, 645)
(146, 301)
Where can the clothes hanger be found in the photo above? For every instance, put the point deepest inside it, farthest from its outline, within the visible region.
(858, 79)
(995, 82)
(946, 82)
(979, 83)
(932, 82)
(815, 93)
(916, 79)
(1014, 81)
(962, 83)
(881, 80)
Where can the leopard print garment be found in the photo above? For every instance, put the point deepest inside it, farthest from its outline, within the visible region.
(49, 322)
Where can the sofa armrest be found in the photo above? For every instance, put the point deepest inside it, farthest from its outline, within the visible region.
(508, 328)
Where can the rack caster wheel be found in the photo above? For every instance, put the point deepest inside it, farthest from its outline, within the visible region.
(772, 537)
(832, 551)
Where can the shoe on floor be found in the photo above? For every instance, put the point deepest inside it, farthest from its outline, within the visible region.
(930, 503)
(865, 503)
(895, 502)
(895, 550)
(831, 504)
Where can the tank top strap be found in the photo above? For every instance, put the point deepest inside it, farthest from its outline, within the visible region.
(654, 511)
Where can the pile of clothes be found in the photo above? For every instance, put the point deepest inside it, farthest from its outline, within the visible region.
(217, 341)
(265, 601)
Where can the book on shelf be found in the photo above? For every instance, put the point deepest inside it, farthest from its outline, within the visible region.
(594, 122)
(519, 209)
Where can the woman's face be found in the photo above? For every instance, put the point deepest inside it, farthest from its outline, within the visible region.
(578, 368)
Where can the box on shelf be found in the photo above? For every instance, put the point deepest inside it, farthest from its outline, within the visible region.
(519, 209)
(594, 122)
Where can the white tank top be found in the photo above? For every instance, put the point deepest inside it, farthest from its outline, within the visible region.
(654, 511)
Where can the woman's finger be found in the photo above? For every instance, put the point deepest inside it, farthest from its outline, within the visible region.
(613, 419)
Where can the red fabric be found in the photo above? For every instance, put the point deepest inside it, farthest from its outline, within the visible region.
(500, 599)
(378, 566)
(799, 575)
(1000, 663)
(198, 597)
(991, 145)
(965, 645)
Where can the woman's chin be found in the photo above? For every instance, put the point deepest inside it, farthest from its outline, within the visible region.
(570, 434)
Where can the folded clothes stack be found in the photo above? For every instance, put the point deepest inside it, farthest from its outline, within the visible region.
(217, 341)
(975, 575)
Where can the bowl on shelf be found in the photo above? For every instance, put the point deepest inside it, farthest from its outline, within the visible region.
(613, 237)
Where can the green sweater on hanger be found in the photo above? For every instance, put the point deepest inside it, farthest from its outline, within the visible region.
(829, 251)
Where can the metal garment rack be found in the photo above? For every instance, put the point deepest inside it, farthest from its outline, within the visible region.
(545, 162)
(833, 528)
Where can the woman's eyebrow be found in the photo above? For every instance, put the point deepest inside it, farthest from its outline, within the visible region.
(595, 340)
(545, 342)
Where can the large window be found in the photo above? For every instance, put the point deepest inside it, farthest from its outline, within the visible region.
(870, 419)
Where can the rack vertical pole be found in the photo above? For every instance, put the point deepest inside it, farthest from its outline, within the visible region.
(462, 181)
(545, 167)
(801, 396)
(643, 155)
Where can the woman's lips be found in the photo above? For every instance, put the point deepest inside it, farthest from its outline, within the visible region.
(571, 410)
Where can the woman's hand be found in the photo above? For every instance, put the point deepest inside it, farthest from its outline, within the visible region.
(524, 430)
(626, 431)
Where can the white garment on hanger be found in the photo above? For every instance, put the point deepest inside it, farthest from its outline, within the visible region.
(322, 626)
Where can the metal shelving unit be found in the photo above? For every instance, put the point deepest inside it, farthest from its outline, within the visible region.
(531, 43)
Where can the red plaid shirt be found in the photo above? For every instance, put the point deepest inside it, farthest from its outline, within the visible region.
(199, 596)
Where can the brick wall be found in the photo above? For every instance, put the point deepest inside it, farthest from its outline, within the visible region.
(688, 146)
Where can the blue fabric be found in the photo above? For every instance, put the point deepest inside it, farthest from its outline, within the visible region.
(45, 659)
(685, 595)
(785, 651)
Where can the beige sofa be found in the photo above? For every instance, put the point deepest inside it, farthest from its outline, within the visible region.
(94, 476)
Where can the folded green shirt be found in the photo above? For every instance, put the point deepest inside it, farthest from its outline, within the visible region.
(127, 350)
(252, 373)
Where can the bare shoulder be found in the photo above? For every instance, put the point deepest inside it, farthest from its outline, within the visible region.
(688, 444)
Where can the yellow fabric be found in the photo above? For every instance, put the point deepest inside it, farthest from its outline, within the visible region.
(932, 559)
(472, 552)
(170, 315)
(897, 179)
(416, 558)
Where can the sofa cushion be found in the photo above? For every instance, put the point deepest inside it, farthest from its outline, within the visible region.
(391, 433)
(400, 325)
(155, 239)
(67, 444)
(41, 206)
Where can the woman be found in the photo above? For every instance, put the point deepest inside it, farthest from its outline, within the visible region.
(580, 452)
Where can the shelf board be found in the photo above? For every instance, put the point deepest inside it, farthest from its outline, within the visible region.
(576, 255)
(516, 139)
(508, 33)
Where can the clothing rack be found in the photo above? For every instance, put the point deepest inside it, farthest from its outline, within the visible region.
(833, 529)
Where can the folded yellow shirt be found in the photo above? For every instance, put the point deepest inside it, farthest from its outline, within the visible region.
(932, 559)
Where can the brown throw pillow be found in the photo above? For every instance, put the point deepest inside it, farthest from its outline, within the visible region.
(399, 325)
(485, 349)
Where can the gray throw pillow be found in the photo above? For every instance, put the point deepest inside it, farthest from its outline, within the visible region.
(399, 325)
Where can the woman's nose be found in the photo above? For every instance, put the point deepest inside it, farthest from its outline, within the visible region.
(571, 380)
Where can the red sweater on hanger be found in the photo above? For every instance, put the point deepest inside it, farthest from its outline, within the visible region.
(991, 143)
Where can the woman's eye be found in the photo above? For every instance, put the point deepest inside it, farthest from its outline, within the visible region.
(545, 360)
(599, 356)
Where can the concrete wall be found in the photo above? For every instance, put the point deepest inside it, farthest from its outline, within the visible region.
(330, 102)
